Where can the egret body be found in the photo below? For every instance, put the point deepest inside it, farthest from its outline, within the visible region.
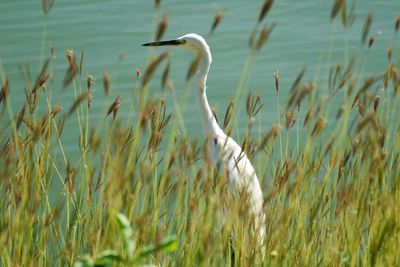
(241, 173)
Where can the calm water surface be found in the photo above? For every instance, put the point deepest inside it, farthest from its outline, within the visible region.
(105, 30)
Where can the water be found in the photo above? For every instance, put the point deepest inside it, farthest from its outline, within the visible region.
(105, 30)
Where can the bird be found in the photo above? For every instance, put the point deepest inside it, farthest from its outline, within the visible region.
(241, 173)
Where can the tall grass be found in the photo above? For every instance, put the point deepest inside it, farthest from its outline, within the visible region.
(142, 194)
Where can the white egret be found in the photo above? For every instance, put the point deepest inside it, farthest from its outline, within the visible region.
(241, 173)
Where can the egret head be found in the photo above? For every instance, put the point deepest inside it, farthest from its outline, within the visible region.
(192, 42)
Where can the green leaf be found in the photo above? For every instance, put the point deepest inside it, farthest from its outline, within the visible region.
(123, 221)
(108, 255)
(124, 226)
(86, 261)
(169, 244)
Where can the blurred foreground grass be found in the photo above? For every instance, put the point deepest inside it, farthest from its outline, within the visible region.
(144, 194)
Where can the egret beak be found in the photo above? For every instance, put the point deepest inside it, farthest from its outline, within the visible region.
(171, 42)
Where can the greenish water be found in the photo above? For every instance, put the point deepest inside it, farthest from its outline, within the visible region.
(104, 30)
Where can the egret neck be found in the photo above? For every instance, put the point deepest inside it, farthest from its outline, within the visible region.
(207, 118)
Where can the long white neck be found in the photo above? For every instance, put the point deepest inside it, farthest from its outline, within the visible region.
(208, 121)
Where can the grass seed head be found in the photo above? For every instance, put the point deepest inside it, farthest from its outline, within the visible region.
(138, 72)
(165, 75)
(106, 83)
(371, 40)
(5, 90)
(319, 126)
(265, 9)
(276, 77)
(217, 19)
(366, 27)
(77, 102)
(264, 36)
(397, 24)
(162, 26)
(290, 119)
(152, 67)
(114, 107)
(47, 5)
(72, 70)
(308, 116)
(193, 66)
(89, 81)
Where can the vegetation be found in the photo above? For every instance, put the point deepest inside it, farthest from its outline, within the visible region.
(142, 194)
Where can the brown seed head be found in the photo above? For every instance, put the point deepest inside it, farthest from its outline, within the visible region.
(367, 25)
(290, 119)
(114, 106)
(276, 76)
(77, 102)
(319, 125)
(264, 36)
(90, 81)
(265, 9)
(377, 100)
(55, 110)
(47, 5)
(217, 19)
(165, 75)
(193, 66)
(337, 6)
(162, 26)
(152, 67)
(371, 41)
(171, 87)
(308, 116)
(397, 24)
(5, 89)
(106, 83)
(138, 72)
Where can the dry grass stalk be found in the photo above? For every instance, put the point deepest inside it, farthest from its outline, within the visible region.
(81, 64)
